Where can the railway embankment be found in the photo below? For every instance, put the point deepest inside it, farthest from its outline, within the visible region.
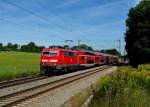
(85, 96)
(62, 93)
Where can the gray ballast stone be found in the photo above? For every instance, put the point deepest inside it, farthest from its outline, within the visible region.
(57, 97)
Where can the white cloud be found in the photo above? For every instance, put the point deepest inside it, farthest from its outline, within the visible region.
(68, 3)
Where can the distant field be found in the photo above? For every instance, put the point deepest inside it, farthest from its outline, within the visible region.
(18, 64)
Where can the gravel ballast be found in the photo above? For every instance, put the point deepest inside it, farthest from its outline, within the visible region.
(57, 97)
(12, 89)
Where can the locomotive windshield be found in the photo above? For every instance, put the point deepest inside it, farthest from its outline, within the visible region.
(50, 53)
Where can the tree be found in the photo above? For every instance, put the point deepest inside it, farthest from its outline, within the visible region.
(111, 52)
(14, 47)
(75, 47)
(41, 47)
(138, 34)
(86, 47)
(90, 48)
(83, 46)
(1, 46)
(30, 47)
(24, 48)
(9, 45)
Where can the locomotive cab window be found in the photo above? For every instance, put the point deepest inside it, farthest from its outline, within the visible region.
(45, 53)
(50, 53)
(53, 52)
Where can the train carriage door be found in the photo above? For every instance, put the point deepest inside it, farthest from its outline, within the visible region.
(107, 59)
(82, 59)
(66, 57)
(71, 57)
(61, 57)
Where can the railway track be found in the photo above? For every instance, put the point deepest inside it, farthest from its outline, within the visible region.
(18, 97)
(10, 83)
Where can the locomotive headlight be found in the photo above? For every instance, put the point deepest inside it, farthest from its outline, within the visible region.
(53, 60)
(44, 60)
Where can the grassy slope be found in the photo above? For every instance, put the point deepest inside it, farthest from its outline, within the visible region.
(78, 99)
(18, 64)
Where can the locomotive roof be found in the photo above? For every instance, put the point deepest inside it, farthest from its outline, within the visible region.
(55, 48)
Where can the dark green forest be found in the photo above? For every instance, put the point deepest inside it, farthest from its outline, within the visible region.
(137, 36)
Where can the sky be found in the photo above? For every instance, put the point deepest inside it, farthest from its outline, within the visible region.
(99, 23)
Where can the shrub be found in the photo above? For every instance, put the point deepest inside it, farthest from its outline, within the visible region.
(124, 87)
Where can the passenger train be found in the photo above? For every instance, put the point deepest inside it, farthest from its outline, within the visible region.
(59, 60)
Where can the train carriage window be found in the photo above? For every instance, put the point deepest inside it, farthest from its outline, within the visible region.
(96, 58)
(82, 57)
(71, 53)
(75, 53)
(66, 53)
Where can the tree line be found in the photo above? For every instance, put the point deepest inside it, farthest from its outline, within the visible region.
(30, 47)
(90, 48)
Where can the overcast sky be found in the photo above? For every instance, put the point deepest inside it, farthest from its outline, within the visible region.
(99, 23)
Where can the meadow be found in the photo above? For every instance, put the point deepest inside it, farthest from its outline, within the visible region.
(19, 64)
(128, 87)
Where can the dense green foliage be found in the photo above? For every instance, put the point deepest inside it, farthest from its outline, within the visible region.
(128, 87)
(18, 64)
(138, 34)
(111, 52)
(30, 47)
(1, 46)
(8, 47)
(86, 47)
(83, 46)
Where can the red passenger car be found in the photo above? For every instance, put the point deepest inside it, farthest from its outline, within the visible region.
(86, 58)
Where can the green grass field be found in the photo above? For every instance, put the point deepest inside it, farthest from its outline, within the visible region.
(18, 64)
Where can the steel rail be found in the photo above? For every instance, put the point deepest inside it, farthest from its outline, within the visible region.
(18, 97)
(10, 83)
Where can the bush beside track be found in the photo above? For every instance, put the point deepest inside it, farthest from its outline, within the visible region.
(128, 87)
(18, 64)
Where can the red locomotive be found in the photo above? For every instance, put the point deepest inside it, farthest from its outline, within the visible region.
(61, 60)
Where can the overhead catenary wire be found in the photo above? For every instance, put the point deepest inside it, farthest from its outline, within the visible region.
(38, 16)
(26, 27)
(56, 15)
(41, 17)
